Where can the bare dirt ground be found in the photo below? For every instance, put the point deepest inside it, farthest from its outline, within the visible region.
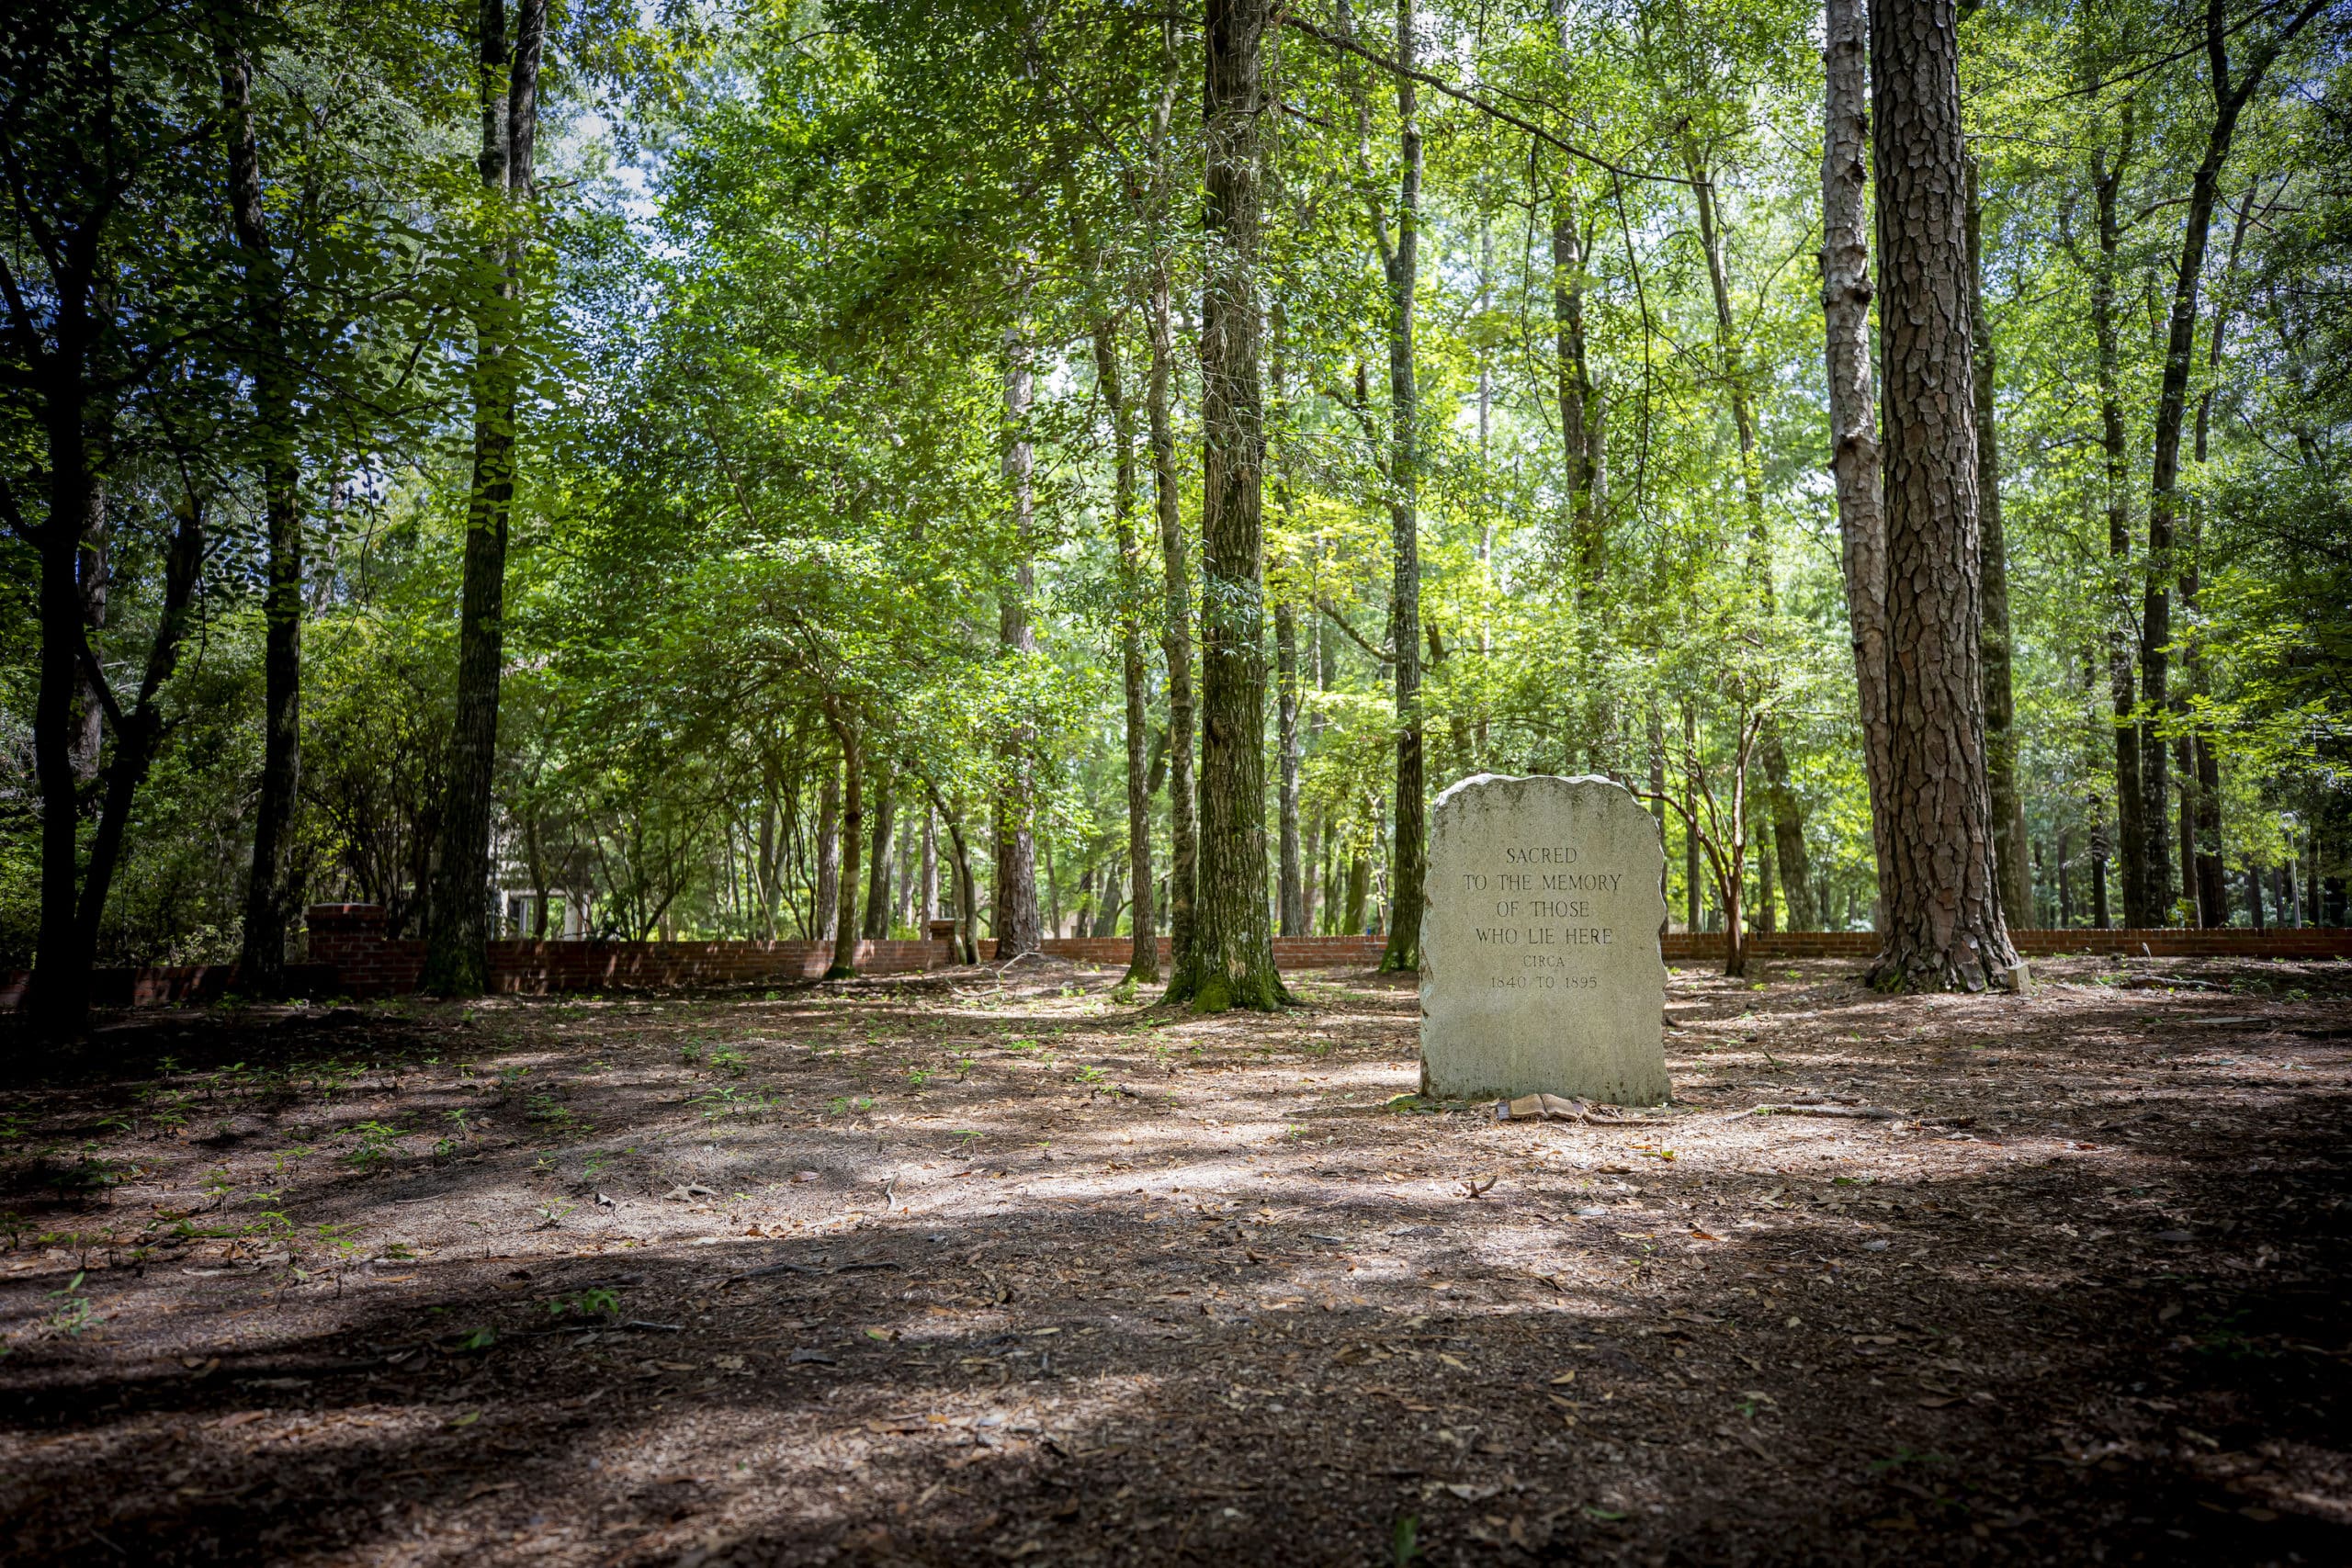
(978, 1269)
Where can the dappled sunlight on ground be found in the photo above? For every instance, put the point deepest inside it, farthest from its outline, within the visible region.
(973, 1267)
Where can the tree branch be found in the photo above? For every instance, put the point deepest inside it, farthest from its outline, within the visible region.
(1481, 106)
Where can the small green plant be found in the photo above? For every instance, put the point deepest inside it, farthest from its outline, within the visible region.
(689, 1053)
(338, 1239)
(734, 1063)
(1092, 1074)
(376, 1145)
(1405, 1540)
(74, 1314)
(917, 1078)
(551, 1214)
(596, 1301)
(962, 1068)
(478, 1339)
(549, 1112)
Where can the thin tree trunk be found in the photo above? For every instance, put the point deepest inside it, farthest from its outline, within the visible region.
(1184, 837)
(1143, 961)
(2101, 916)
(1944, 924)
(2063, 853)
(74, 423)
(1655, 735)
(828, 855)
(1293, 896)
(139, 732)
(1019, 927)
(2208, 877)
(1408, 837)
(1690, 891)
(456, 959)
(877, 884)
(927, 875)
(845, 933)
(1578, 402)
(769, 855)
(2172, 404)
(2015, 877)
(2131, 797)
(1789, 857)
(1853, 403)
(268, 898)
(1232, 943)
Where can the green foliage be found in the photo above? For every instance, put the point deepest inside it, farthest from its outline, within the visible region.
(772, 289)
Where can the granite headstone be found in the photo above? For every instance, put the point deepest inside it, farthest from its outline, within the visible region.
(1540, 965)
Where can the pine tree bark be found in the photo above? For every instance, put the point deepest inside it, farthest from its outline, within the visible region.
(268, 898)
(1232, 943)
(1143, 962)
(2015, 874)
(1944, 921)
(457, 956)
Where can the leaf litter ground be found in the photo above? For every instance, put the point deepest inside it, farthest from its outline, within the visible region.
(989, 1266)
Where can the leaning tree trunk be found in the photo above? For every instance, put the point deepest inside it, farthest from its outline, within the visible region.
(1944, 925)
(457, 957)
(1853, 402)
(261, 961)
(1408, 835)
(1232, 945)
(2015, 874)
(1142, 963)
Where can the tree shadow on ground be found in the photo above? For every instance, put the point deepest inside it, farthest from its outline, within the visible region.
(1186, 1330)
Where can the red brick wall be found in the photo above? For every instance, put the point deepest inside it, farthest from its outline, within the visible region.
(1290, 951)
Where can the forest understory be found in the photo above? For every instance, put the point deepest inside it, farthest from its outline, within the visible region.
(982, 1267)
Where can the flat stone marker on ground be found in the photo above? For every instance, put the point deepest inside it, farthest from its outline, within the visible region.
(1540, 966)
